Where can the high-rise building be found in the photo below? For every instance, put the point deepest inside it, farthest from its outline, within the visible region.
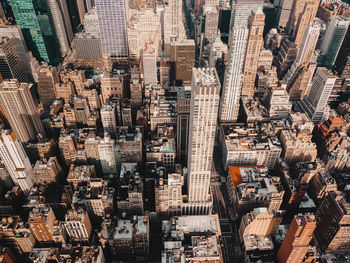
(183, 122)
(108, 154)
(58, 24)
(315, 103)
(173, 26)
(182, 58)
(149, 65)
(33, 17)
(295, 245)
(211, 13)
(229, 105)
(108, 118)
(21, 111)
(78, 225)
(302, 14)
(16, 161)
(256, 23)
(11, 65)
(112, 24)
(217, 50)
(203, 122)
(332, 229)
(283, 11)
(15, 33)
(47, 79)
(332, 40)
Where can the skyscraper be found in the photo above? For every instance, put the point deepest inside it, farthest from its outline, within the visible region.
(229, 104)
(315, 104)
(33, 18)
(11, 65)
(58, 24)
(149, 65)
(16, 161)
(332, 41)
(302, 14)
(112, 24)
(182, 58)
(47, 79)
(203, 122)
(332, 230)
(256, 23)
(20, 109)
(296, 242)
(173, 26)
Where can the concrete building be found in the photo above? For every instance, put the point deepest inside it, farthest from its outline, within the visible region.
(87, 46)
(278, 103)
(47, 171)
(203, 120)
(16, 161)
(112, 86)
(129, 145)
(20, 109)
(260, 222)
(239, 149)
(251, 187)
(78, 226)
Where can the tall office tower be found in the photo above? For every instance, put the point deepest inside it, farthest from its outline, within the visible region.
(11, 65)
(112, 24)
(211, 14)
(183, 122)
(15, 33)
(283, 11)
(205, 96)
(21, 111)
(306, 52)
(332, 40)
(59, 26)
(149, 65)
(315, 104)
(33, 17)
(47, 79)
(295, 245)
(16, 161)
(173, 26)
(182, 58)
(302, 14)
(108, 118)
(217, 50)
(108, 154)
(62, 5)
(91, 22)
(333, 237)
(229, 105)
(144, 27)
(256, 23)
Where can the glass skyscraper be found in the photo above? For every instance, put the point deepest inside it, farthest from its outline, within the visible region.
(32, 16)
(112, 23)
